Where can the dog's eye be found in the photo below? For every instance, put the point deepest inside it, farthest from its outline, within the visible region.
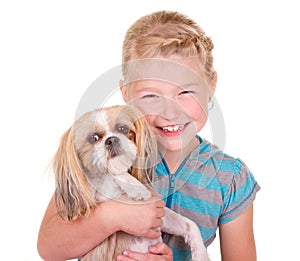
(94, 138)
(122, 129)
(131, 136)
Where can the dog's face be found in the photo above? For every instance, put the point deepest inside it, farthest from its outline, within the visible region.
(108, 141)
(105, 141)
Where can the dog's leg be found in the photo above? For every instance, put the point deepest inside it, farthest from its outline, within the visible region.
(179, 225)
(132, 187)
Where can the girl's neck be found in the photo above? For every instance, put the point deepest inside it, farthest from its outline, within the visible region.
(175, 158)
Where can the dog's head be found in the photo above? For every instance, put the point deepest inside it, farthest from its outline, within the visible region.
(108, 141)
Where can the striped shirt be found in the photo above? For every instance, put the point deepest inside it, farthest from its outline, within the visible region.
(210, 187)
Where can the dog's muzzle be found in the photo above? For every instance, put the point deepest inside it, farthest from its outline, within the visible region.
(113, 146)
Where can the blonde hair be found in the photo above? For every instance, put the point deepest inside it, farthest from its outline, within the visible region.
(166, 33)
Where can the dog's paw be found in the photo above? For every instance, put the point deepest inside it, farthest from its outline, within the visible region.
(139, 193)
(199, 255)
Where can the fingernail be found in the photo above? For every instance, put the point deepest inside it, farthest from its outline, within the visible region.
(153, 248)
(125, 253)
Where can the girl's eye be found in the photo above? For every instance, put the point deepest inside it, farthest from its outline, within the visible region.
(93, 138)
(149, 96)
(122, 129)
(186, 92)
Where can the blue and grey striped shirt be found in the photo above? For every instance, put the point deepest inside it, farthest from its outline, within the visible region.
(210, 187)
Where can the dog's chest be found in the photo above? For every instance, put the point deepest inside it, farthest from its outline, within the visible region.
(106, 188)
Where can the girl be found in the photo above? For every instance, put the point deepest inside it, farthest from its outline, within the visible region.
(169, 75)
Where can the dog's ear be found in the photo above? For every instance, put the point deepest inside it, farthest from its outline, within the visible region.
(72, 195)
(146, 151)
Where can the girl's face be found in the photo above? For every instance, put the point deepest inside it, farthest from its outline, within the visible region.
(174, 99)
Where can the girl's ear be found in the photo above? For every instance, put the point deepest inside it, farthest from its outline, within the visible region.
(213, 84)
(124, 91)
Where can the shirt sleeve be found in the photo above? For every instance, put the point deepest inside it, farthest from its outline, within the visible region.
(241, 192)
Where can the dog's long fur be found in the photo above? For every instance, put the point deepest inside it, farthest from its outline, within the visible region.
(107, 153)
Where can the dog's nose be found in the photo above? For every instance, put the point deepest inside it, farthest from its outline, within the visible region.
(111, 141)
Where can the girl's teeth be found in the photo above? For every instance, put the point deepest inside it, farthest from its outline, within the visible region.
(173, 128)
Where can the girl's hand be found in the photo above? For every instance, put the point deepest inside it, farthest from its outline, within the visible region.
(139, 218)
(158, 252)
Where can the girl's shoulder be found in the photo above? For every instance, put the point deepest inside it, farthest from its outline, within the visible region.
(219, 168)
(213, 162)
(228, 177)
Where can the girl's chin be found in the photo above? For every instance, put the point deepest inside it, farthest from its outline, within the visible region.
(173, 145)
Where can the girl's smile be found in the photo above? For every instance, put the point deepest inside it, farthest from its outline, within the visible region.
(173, 129)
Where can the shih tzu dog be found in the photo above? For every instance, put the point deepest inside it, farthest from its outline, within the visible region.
(108, 153)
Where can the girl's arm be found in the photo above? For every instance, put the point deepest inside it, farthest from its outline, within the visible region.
(60, 240)
(237, 238)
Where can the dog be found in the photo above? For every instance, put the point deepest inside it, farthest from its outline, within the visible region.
(107, 153)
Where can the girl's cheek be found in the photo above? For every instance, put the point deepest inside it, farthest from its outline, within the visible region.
(150, 119)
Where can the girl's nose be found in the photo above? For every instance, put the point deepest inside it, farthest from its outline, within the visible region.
(170, 109)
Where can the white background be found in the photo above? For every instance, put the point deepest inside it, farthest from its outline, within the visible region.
(51, 51)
